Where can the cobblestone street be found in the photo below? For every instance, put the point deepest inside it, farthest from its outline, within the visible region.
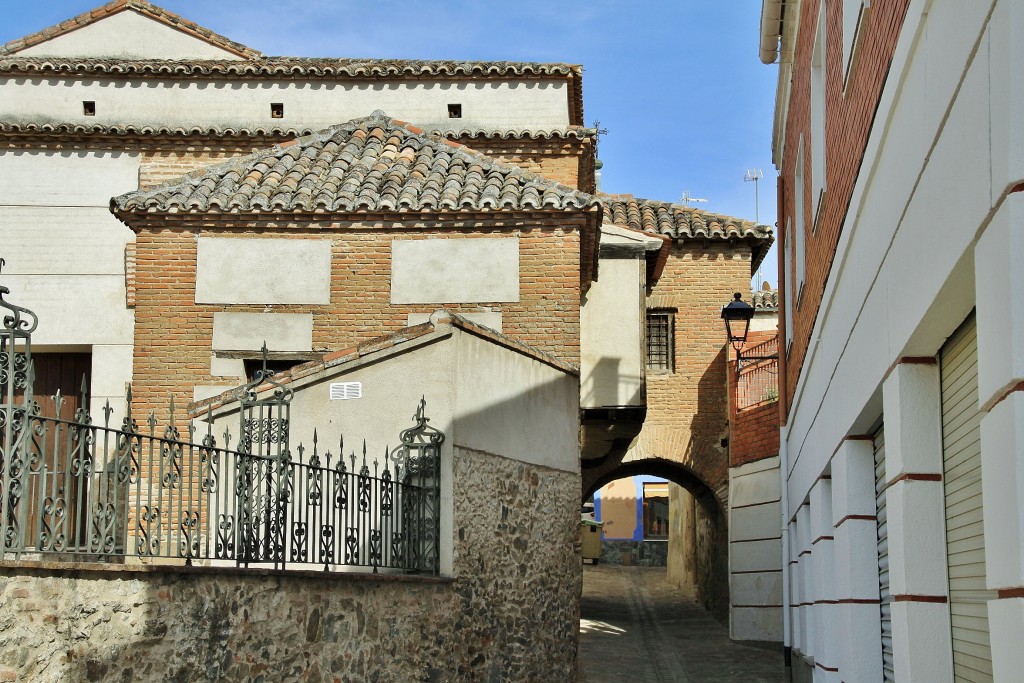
(634, 628)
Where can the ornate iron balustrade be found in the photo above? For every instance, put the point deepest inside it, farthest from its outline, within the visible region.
(757, 380)
(74, 489)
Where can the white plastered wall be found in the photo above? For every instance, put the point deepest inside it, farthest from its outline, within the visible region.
(611, 324)
(755, 552)
(64, 256)
(127, 34)
(929, 234)
(483, 396)
(512, 103)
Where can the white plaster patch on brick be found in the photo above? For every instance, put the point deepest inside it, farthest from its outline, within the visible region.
(263, 271)
(249, 331)
(443, 271)
(226, 367)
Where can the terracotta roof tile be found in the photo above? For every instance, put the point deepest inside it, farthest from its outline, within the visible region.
(291, 67)
(684, 222)
(372, 164)
(152, 11)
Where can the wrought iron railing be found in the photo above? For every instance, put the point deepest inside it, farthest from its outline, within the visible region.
(74, 489)
(757, 378)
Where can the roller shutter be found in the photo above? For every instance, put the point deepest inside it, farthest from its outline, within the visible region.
(965, 540)
(883, 556)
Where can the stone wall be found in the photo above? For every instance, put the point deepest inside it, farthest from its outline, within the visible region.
(510, 613)
(635, 553)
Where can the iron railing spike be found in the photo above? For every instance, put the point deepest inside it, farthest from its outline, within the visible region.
(301, 449)
(85, 389)
(172, 411)
(107, 411)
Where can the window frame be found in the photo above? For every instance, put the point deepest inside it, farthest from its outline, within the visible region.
(669, 315)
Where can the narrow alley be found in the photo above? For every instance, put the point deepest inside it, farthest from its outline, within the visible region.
(634, 627)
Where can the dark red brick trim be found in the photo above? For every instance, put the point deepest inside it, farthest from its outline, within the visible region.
(823, 538)
(847, 518)
(1019, 386)
(1006, 593)
(915, 476)
(920, 598)
(752, 505)
(858, 601)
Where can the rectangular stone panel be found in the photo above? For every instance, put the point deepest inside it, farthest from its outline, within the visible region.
(263, 271)
(249, 331)
(440, 271)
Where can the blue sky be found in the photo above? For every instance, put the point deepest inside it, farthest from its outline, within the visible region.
(677, 83)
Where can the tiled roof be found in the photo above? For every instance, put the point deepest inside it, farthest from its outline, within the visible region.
(577, 132)
(289, 67)
(684, 222)
(36, 127)
(765, 299)
(152, 11)
(373, 164)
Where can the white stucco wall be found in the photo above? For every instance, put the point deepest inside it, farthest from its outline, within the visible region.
(612, 319)
(511, 405)
(933, 230)
(755, 551)
(127, 34)
(313, 104)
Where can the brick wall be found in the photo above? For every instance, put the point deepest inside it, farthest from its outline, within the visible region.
(688, 410)
(173, 334)
(850, 110)
(754, 434)
(568, 161)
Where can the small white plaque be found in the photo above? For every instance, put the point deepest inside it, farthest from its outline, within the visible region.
(343, 391)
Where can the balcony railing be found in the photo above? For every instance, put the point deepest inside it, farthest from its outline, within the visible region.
(757, 379)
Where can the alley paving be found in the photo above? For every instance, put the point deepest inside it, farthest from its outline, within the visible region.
(634, 627)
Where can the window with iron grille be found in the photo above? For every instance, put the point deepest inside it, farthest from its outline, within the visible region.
(660, 342)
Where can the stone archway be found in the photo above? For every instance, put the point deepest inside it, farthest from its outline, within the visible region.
(698, 537)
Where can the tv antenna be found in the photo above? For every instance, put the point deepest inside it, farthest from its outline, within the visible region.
(685, 198)
(752, 176)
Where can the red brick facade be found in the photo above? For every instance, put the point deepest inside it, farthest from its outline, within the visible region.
(687, 409)
(753, 431)
(173, 334)
(850, 110)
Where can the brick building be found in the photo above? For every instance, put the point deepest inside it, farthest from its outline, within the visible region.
(899, 175)
(311, 224)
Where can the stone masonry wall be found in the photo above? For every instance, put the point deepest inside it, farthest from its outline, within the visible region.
(173, 334)
(511, 613)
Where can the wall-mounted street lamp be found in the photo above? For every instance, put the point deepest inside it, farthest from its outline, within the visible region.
(737, 315)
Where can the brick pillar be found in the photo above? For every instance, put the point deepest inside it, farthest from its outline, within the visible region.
(915, 507)
(859, 619)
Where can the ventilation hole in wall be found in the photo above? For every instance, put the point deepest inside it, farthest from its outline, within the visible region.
(277, 110)
(89, 108)
(455, 111)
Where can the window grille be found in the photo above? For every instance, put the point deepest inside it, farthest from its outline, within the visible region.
(660, 343)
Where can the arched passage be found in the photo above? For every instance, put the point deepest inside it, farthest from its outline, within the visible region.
(698, 561)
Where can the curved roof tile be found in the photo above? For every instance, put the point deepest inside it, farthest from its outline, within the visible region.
(370, 164)
(685, 222)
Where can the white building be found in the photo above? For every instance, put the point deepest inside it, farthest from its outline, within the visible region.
(901, 159)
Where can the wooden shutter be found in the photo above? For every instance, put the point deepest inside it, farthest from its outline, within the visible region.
(883, 557)
(965, 540)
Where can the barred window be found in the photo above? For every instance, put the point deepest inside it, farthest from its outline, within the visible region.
(660, 342)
